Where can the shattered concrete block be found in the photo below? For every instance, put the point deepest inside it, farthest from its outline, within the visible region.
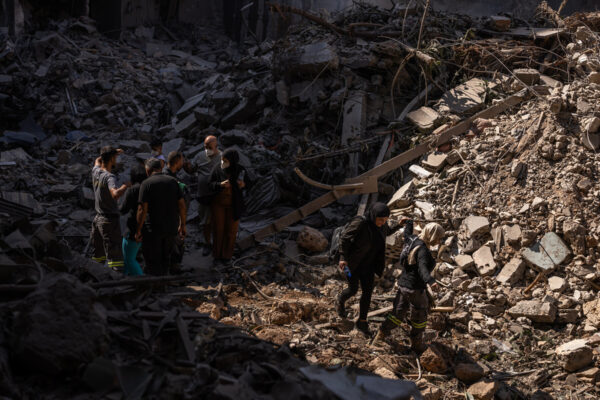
(312, 58)
(427, 208)
(512, 234)
(172, 145)
(467, 97)
(575, 355)
(434, 361)
(60, 302)
(594, 77)
(425, 118)
(500, 23)
(535, 310)
(591, 140)
(435, 162)
(484, 261)
(240, 113)
(419, 171)
(512, 272)
(591, 125)
(516, 168)
(549, 81)
(567, 316)
(484, 390)
(556, 104)
(557, 284)
(312, 240)
(528, 76)
(474, 225)
(468, 372)
(206, 115)
(186, 124)
(464, 261)
(154, 48)
(16, 155)
(403, 196)
(139, 146)
(591, 310)
(550, 252)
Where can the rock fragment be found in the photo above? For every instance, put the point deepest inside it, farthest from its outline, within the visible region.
(312, 240)
(535, 310)
(575, 355)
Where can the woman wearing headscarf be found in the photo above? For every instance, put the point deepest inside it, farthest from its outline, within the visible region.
(226, 183)
(362, 255)
(417, 263)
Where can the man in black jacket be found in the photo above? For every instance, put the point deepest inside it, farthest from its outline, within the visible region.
(417, 263)
(362, 255)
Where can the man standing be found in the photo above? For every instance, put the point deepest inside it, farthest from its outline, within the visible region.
(205, 162)
(175, 163)
(106, 229)
(161, 197)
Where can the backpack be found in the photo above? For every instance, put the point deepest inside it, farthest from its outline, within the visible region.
(408, 251)
(336, 241)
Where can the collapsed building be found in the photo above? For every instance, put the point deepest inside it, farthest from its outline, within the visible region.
(485, 124)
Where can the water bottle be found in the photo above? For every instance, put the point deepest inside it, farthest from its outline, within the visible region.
(347, 271)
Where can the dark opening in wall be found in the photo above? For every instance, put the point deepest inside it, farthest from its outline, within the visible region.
(39, 12)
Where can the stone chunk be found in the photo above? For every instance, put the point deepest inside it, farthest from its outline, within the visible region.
(591, 125)
(312, 240)
(240, 113)
(468, 372)
(466, 97)
(535, 310)
(590, 140)
(313, 58)
(575, 355)
(512, 234)
(474, 225)
(403, 196)
(425, 118)
(435, 162)
(594, 77)
(557, 284)
(591, 310)
(172, 145)
(550, 252)
(528, 76)
(500, 23)
(512, 272)
(433, 360)
(464, 261)
(484, 390)
(186, 124)
(484, 261)
(419, 171)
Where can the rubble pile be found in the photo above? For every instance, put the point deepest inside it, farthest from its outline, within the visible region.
(516, 192)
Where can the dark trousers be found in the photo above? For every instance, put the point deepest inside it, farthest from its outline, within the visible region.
(157, 250)
(366, 280)
(106, 240)
(413, 302)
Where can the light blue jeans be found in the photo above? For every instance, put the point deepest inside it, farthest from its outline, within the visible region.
(130, 250)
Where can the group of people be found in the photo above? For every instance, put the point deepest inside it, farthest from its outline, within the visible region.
(362, 256)
(155, 204)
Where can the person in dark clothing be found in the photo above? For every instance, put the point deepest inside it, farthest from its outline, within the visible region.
(362, 252)
(129, 208)
(106, 228)
(161, 198)
(417, 263)
(226, 182)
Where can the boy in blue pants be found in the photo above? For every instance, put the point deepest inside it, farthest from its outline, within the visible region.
(129, 208)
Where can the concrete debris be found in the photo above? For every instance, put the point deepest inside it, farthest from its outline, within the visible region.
(535, 310)
(403, 196)
(484, 390)
(575, 355)
(512, 272)
(425, 118)
(312, 240)
(484, 261)
(528, 76)
(548, 253)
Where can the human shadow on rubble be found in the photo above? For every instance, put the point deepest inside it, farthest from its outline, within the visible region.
(67, 340)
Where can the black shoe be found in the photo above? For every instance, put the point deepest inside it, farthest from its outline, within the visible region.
(341, 309)
(207, 250)
(363, 326)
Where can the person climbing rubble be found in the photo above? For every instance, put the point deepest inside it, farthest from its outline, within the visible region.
(162, 198)
(106, 228)
(205, 162)
(417, 263)
(227, 182)
(362, 255)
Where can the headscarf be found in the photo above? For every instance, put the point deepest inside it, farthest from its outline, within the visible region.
(233, 173)
(432, 233)
(378, 210)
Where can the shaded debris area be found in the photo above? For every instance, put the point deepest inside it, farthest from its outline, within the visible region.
(488, 126)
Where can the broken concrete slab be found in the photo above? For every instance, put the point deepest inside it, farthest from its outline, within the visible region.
(465, 98)
(484, 390)
(427, 208)
(205, 115)
(190, 104)
(500, 23)
(464, 261)
(535, 310)
(512, 234)
(240, 113)
(484, 261)
(548, 253)
(419, 171)
(425, 118)
(528, 76)
(475, 225)
(153, 49)
(172, 145)
(591, 310)
(313, 59)
(590, 140)
(512, 272)
(186, 124)
(575, 355)
(312, 240)
(435, 161)
(403, 196)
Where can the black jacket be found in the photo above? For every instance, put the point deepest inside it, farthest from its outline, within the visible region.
(214, 187)
(416, 276)
(362, 246)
